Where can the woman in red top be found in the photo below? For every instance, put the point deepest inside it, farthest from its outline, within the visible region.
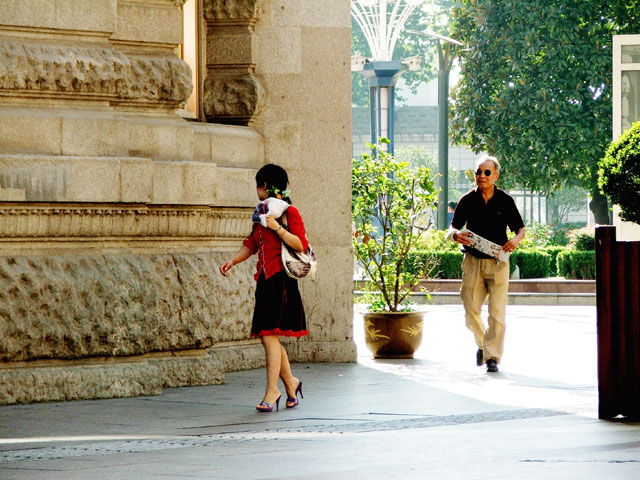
(278, 309)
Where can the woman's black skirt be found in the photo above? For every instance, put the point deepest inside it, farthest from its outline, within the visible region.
(279, 309)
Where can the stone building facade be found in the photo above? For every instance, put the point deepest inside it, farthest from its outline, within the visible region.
(116, 211)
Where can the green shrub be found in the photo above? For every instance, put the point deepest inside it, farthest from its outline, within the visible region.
(531, 263)
(619, 173)
(449, 263)
(553, 252)
(434, 241)
(583, 239)
(559, 234)
(537, 235)
(577, 264)
(542, 235)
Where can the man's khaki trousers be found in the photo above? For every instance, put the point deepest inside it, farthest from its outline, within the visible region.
(482, 278)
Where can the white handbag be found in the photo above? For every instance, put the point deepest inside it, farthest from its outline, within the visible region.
(298, 264)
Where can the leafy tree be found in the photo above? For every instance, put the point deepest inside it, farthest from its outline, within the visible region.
(432, 17)
(536, 90)
(563, 202)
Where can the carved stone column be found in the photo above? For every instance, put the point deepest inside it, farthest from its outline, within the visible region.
(232, 93)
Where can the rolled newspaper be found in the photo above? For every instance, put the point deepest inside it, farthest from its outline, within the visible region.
(487, 246)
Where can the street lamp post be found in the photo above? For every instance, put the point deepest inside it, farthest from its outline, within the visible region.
(446, 54)
(382, 77)
(381, 22)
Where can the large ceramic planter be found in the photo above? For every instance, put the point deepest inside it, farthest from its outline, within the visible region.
(393, 334)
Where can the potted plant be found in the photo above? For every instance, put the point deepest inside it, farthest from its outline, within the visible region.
(389, 201)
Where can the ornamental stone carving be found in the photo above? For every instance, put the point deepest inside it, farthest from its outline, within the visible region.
(139, 222)
(231, 9)
(90, 72)
(157, 78)
(233, 100)
(231, 92)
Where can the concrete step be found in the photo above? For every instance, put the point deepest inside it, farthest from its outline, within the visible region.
(542, 291)
(534, 285)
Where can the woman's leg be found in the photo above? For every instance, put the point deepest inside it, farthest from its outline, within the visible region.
(290, 382)
(273, 355)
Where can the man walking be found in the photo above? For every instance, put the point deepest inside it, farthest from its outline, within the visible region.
(486, 211)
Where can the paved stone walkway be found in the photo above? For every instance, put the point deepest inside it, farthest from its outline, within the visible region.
(437, 417)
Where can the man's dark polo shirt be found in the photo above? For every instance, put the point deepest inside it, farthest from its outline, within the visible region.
(489, 220)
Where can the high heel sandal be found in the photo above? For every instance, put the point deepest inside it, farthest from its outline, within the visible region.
(267, 407)
(294, 401)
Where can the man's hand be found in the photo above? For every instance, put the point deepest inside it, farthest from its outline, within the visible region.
(510, 246)
(462, 238)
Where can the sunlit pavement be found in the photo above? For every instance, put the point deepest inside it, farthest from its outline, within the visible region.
(550, 357)
(435, 417)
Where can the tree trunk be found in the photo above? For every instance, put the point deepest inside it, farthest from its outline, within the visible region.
(599, 207)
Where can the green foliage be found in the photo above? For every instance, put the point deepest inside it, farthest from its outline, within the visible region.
(583, 239)
(542, 235)
(559, 236)
(448, 263)
(388, 198)
(562, 203)
(436, 240)
(536, 88)
(537, 235)
(619, 172)
(554, 251)
(531, 263)
(537, 256)
(576, 264)
(371, 297)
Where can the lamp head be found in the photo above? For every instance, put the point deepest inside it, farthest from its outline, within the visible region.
(358, 62)
(413, 63)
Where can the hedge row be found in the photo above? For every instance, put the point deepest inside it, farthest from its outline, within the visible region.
(532, 263)
(538, 263)
(578, 264)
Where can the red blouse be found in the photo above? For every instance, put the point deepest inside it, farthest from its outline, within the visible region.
(267, 244)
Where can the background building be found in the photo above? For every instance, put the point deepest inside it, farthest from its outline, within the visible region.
(116, 211)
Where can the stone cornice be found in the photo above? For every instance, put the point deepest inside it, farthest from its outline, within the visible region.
(91, 72)
(133, 222)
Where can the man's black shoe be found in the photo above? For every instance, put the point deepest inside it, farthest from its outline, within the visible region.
(479, 358)
(492, 365)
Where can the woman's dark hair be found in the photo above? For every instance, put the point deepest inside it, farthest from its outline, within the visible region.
(275, 178)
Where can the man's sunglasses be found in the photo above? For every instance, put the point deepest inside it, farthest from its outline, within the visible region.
(487, 172)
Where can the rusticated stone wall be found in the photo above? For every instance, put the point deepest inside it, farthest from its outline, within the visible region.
(118, 304)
